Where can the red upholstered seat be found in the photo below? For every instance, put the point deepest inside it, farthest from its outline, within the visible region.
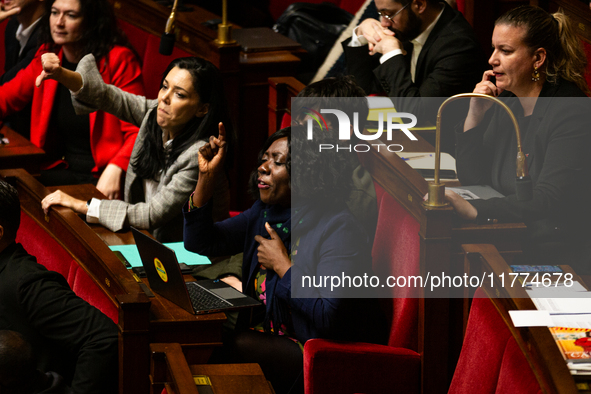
(491, 361)
(370, 368)
(587, 48)
(54, 257)
(286, 120)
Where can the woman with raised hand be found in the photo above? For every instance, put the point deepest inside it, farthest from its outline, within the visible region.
(538, 69)
(299, 226)
(164, 166)
(94, 148)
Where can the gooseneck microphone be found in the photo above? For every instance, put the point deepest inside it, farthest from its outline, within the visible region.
(523, 182)
(168, 37)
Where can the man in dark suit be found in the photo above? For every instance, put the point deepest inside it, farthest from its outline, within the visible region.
(418, 49)
(21, 35)
(21, 43)
(67, 335)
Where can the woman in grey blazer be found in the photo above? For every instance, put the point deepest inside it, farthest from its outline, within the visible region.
(164, 166)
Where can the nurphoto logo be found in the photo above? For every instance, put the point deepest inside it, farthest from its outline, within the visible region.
(394, 122)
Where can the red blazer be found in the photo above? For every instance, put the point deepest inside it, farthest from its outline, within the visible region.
(111, 140)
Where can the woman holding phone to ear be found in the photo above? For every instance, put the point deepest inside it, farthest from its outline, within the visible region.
(163, 167)
(538, 69)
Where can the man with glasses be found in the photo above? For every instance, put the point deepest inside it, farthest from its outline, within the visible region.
(418, 48)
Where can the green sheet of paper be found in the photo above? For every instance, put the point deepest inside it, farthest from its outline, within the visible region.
(183, 255)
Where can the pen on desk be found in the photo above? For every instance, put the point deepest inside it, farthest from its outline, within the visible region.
(137, 278)
(143, 286)
(417, 157)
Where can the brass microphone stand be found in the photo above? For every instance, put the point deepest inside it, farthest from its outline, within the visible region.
(436, 196)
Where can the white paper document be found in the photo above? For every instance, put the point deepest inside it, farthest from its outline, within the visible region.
(531, 318)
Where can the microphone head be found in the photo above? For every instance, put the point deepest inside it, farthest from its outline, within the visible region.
(166, 44)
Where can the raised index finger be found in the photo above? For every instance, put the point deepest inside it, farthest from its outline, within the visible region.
(222, 133)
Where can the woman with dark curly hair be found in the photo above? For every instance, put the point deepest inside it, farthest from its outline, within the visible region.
(299, 226)
(91, 148)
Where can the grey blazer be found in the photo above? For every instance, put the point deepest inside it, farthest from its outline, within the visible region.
(162, 214)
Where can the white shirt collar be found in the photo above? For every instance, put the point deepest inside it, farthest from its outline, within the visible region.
(22, 35)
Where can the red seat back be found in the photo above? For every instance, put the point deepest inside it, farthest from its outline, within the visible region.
(491, 361)
(153, 63)
(587, 48)
(54, 257)
(396, 253)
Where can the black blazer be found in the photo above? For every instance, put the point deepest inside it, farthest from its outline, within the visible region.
(21, 120)
(14, 62)
(557, 142)
(450, 62)
(68, 335)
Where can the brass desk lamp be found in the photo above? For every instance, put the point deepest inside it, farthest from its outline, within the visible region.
(523, 181)
(168, 37)
(225, 28)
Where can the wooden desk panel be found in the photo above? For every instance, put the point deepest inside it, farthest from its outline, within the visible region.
(19, 152)
(171, 369)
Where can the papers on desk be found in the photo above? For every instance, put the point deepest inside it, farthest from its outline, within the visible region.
(183, 255)
(531, 318)
(566, 310)
(557, 305)
(424, 163)
(483, 192)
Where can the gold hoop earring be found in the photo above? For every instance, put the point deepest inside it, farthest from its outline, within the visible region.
(535, 76)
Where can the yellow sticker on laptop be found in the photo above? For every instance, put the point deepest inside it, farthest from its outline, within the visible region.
(160, 269)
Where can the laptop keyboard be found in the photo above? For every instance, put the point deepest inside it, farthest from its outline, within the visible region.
(204, 300)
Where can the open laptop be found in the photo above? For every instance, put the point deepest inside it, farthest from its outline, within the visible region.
(165, 278)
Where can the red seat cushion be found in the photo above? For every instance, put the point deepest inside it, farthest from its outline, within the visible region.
(345, 367)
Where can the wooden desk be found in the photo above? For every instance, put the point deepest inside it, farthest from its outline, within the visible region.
(536, 342)
(142, 320)
(86, 192)
(168, 322)
(19, 152)
(170, 369)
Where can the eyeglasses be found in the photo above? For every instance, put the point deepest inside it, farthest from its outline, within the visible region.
(391, 17)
